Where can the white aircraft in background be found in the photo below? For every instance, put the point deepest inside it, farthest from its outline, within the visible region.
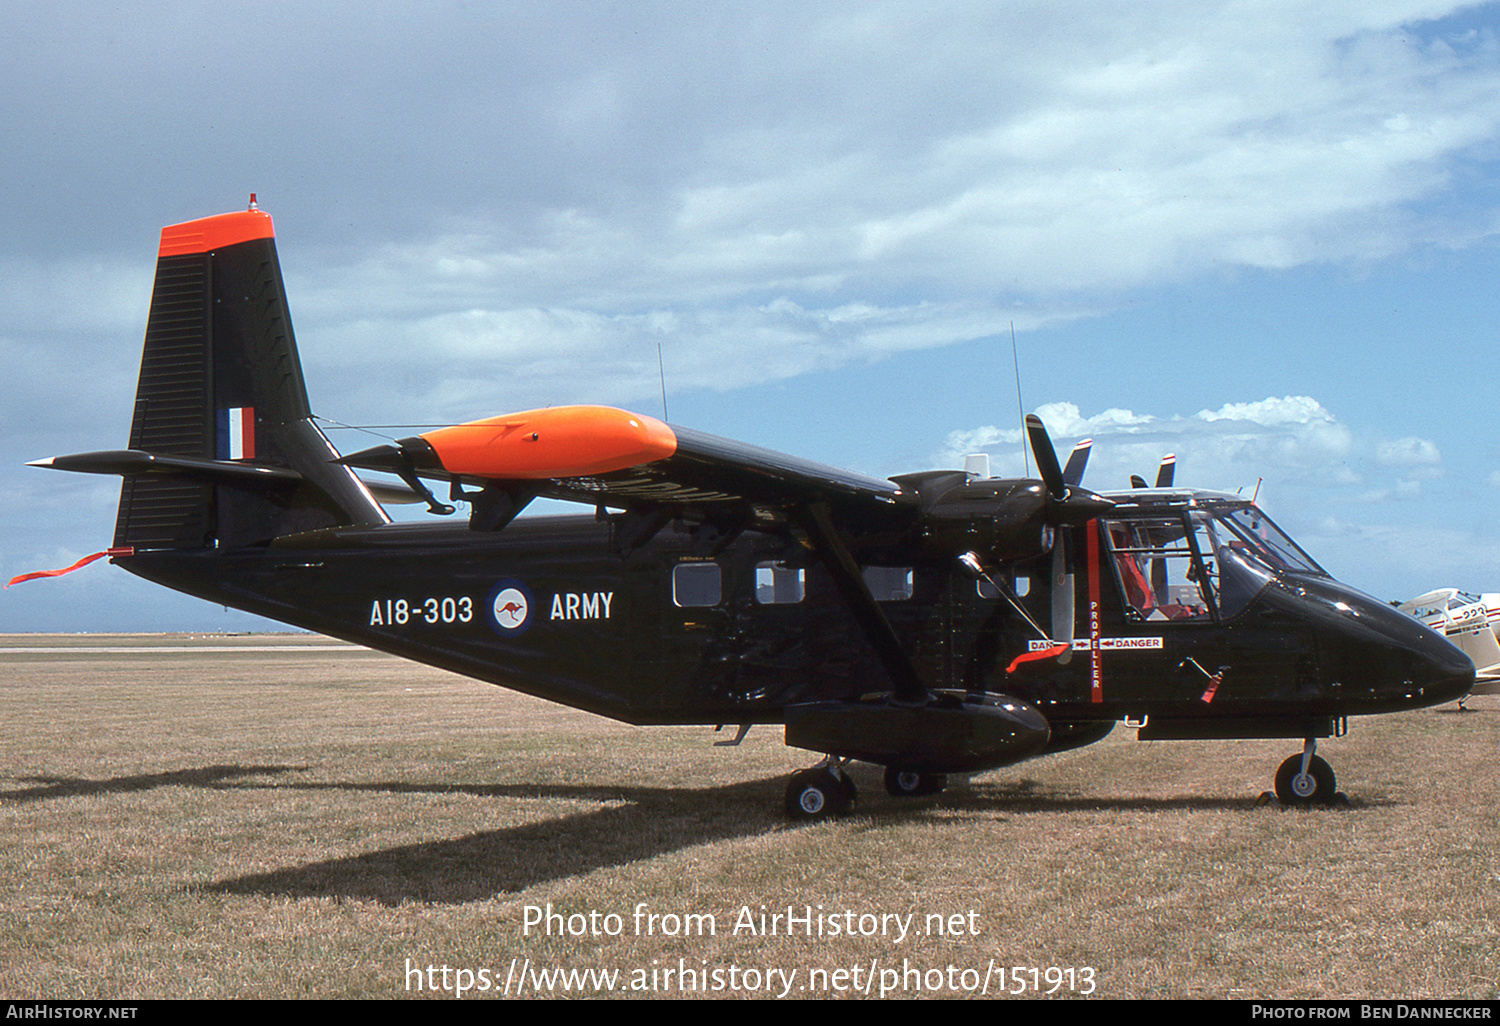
(1469, 621)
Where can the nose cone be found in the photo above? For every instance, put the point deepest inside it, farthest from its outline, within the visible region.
(1380, 658)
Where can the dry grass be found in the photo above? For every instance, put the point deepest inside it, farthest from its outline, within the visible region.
(287, 824)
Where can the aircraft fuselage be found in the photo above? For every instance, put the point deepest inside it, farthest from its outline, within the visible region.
(656, 634)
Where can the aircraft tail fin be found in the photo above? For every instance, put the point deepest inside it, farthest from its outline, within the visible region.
(223, 448)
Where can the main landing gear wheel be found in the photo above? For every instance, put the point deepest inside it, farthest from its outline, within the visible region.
(819, 793)
(1315, 787)
(905, 783)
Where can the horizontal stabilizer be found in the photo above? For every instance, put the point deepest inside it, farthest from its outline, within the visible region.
(396, 494)
(134, 462)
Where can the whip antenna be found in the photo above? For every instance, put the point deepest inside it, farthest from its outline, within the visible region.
(661, 369)
(1020, 406)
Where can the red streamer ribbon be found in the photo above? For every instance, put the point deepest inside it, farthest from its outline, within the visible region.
(1042, 653)
(85, 561)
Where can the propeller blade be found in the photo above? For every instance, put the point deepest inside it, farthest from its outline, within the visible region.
(1159, 583)
(1062, 595)
(1165, 472)
(1077, 461)
(1046, 458)
(1065, 505)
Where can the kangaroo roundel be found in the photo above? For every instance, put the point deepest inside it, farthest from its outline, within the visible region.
(510, 608)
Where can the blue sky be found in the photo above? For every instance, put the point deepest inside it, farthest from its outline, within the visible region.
(1262, 235)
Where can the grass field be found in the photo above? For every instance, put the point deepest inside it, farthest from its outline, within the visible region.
(279, 816)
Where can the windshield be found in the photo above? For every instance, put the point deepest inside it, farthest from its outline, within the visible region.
(1252, 535)
(1250, 552)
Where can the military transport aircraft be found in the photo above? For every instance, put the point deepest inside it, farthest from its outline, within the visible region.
(933, 623)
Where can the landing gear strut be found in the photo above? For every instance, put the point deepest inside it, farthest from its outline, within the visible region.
(1306, 779)
(820, 793)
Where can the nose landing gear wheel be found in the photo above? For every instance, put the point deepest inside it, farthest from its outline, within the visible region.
(1315, 787)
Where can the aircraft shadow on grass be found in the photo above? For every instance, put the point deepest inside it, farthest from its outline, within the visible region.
(640, 823)
(634, 822)
(48, 786)
(1026, 796)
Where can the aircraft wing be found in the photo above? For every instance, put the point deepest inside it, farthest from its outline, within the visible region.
(655, 472)
(610, 457)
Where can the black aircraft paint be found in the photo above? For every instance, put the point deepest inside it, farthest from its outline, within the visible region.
(905, 622)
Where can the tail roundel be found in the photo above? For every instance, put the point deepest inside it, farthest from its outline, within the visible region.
(223, 450)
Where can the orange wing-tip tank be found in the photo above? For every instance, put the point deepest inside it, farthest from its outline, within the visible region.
(563, 441)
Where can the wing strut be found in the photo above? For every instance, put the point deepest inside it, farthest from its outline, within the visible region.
(834, 555)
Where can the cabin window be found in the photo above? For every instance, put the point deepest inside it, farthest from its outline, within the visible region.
(777, 584)
(1020, 585)
(889, 583)
(1159, 571)
(697, 584)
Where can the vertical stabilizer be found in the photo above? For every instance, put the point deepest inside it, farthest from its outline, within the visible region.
(221, 380)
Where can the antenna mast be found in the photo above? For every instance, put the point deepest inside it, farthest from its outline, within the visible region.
(1020, 406)
(662, 370)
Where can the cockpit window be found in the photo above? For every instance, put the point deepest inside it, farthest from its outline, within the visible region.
(1158, 569)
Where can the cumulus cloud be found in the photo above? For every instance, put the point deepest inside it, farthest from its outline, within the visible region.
(1293, 440)
(1066, 419)
(942, 200)
(1294, 429)
(1408, 452)
(1297, 409)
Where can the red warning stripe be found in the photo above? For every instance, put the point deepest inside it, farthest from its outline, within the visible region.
(1096, 668)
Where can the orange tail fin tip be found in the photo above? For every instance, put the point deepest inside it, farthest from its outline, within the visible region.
(211, 233)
